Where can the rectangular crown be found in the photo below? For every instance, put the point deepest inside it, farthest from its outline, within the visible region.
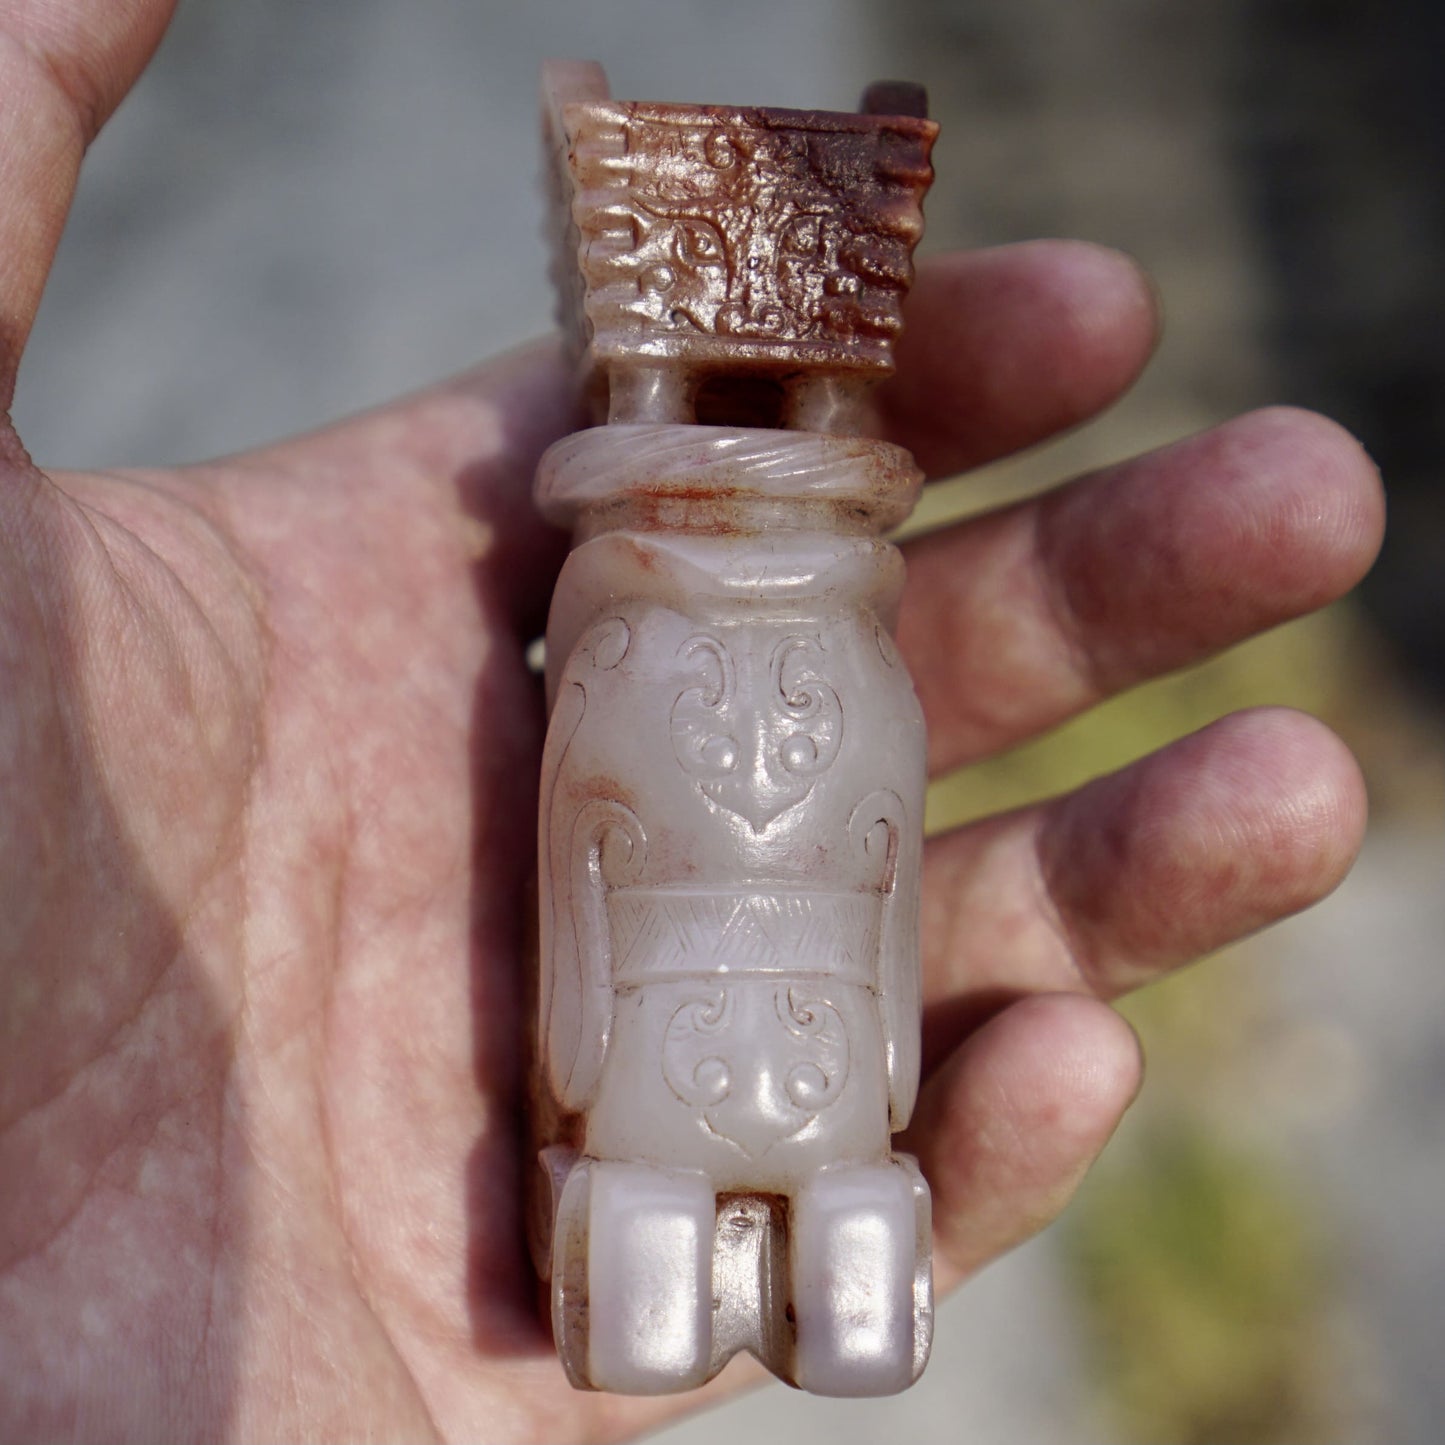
(725, 237)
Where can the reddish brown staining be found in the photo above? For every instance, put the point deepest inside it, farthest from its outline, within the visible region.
(716, 512)
(781, 117)
(681, 491)
(725, 513)
(699, 516)
(551, 1124)
(645, 560)
(603, 787)
(571, 1129)
(748, 240)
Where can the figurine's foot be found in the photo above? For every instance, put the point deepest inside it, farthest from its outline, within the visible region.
(861, 1279)
(632, 1277)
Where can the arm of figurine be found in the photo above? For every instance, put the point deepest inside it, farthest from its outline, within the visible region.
(583, 851)
(880, 828)
(268, 754)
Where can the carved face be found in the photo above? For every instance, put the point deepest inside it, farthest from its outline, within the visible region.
(682, 275)
(759, 1061)
(739, 234)
(758, 724)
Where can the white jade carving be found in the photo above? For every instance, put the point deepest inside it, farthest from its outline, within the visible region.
(731, 816)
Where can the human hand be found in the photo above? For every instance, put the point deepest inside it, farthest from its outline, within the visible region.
(268, 751)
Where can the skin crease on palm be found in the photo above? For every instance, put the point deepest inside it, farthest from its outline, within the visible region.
(267, 760)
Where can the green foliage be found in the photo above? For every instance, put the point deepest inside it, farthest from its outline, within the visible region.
(1197, 1274)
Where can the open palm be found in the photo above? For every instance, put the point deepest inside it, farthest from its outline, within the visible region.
(268, 748)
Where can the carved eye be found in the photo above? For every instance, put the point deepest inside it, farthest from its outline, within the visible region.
(807, 1086)
(713, 1081)
(698, 245)
(799, 752)
(804, 236)
(720, 752)
(720, 152)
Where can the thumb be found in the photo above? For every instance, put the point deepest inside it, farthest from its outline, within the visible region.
(64, 67)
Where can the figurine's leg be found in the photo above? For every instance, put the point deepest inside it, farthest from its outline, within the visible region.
(650, 394)
(632, 1277)
(855, 1266)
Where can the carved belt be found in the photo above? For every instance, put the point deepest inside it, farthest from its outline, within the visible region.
(669, 933)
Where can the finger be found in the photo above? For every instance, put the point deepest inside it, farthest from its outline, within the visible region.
(1019, 619)
(1003, 348)
(1007, 1128)
(1225, 831)
(64, 66)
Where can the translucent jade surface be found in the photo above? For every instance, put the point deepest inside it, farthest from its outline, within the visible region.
(732, 790)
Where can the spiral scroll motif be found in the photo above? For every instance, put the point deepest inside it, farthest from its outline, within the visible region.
(758, 1062)
(758, 724)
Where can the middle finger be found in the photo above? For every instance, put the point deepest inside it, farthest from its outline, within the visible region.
(1015, 621)
(1139, 872)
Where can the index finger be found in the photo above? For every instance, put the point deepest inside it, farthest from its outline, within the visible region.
(1003, 348)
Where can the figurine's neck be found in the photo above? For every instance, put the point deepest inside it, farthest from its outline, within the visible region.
(724, 481)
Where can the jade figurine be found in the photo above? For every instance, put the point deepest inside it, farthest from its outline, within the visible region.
(733, 780)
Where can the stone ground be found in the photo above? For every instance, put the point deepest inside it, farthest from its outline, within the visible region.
(306, 209)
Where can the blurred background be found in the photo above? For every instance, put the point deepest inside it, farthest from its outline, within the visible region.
(305, 208)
